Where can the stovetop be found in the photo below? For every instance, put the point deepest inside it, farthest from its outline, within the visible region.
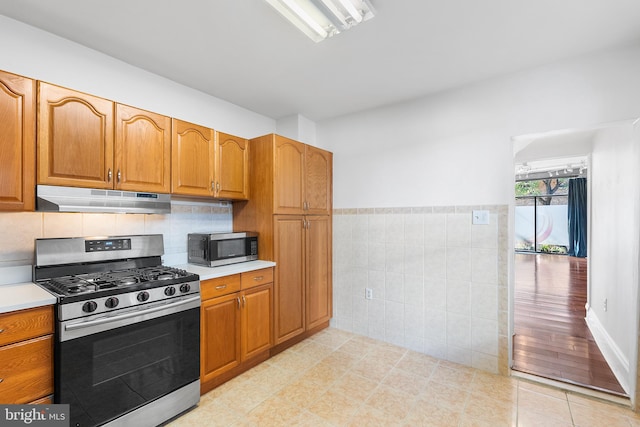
(124, 280)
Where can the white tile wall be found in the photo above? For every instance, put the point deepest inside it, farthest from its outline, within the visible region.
(21, 229)
(436, 280)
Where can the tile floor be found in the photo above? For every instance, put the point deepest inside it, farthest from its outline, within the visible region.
(336, 378)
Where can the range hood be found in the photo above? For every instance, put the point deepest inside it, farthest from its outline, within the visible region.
(71, 199)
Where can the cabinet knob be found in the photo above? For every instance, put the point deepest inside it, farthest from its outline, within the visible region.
(109, 175)
(119, 175)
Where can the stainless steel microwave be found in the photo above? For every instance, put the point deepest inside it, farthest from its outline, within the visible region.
(218, 249)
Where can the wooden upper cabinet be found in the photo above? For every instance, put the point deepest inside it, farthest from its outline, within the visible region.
(192, 159)
(318, 181)
(17, 142)
(232, 168)
(142, 150)
(303, 178)
(289, 162)
(75, 138)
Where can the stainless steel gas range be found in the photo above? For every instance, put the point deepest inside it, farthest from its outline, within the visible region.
(128, 329)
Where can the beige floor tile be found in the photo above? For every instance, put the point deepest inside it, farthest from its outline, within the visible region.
(332, 338)
(405, 381)
(301, 392)
(387, 353)
(452, 376)
(335, 407)
(307, 419)
(244, 397)
(444, 396)
(542, 389)
(417, 364)
(429, 414)
(533, 418)
(484, 408)
(391, 401)
(355, 386)
(291, 361)
(495, 386)
(314, 350)
(372, 368)
(557, 408)
(593, 414)
(357, 347)
(342, 359)
(467, 421)
(324, 374)
(274, 412)
(369, 417)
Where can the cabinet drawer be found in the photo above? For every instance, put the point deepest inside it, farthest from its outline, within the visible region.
(24, 324)
(257, 277)
(26, 370)
(219, 286)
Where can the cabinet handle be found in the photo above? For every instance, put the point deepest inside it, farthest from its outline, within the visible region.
(217, 186)
(109, 175)
(220, 287)
(1, 331)
(119, 176)
(1, 379)
(213, 186)
(257, 278)
(238, 299)
(244, 301)
(305, 205)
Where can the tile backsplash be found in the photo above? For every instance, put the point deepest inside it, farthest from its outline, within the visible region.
(20, 229)
(439, 283)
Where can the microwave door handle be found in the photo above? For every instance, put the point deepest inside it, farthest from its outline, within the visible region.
(207, 242)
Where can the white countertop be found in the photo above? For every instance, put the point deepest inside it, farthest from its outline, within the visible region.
(225, 270)
(23, 295)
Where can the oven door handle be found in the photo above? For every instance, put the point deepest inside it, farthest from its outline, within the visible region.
(137, 313)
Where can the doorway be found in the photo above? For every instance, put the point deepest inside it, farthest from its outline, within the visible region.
(561, 328)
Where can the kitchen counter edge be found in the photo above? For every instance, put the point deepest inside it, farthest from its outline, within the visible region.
(206, 273)
(21, 296)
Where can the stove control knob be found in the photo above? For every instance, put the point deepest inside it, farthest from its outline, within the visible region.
(111, 302)
(169, 291)
(185, 288)
(89, 306)
(143, 296)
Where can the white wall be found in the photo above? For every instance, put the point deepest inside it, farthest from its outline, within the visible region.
(614, 246)
(40, 55)
(455, 150)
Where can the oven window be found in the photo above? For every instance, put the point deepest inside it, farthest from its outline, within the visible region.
(108, 374)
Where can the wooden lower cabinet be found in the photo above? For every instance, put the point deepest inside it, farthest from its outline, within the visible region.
(26, 355)
(236, 328)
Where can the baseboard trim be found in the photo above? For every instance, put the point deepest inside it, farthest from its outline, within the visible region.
(616, 359)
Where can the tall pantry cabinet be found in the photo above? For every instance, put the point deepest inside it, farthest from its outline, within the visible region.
(290, 208)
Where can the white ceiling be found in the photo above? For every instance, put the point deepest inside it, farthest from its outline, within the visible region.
(243, 51)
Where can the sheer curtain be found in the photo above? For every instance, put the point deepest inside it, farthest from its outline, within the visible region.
(577, 216)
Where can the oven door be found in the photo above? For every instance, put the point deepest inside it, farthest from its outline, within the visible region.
(108, 367)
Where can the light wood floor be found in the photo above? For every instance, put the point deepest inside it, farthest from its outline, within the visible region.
(552, 339)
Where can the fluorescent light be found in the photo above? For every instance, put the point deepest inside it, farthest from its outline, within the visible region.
(320, 19)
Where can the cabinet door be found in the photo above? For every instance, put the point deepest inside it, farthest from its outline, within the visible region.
(232, 169)
(219, 336)
(192, 159)
(318, 181)
(75, 138)
(288, 191)
(289, 296)
(17, 142)
(256, 320)
(26, 370)
(318, 262)
(143, 150)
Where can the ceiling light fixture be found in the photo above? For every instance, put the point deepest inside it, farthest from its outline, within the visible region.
(321, 19)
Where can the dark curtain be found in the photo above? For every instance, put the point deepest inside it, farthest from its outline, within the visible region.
(577, 207)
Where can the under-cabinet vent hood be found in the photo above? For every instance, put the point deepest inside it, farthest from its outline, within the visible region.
(72, 199)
